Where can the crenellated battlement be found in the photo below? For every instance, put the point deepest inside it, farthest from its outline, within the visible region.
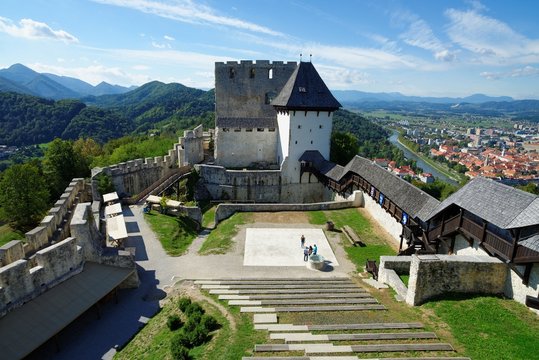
(51, 229)
(23, 279)
(260, 63)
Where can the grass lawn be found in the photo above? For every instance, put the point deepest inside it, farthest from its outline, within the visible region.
(7, 234)
(489, 327)
(174, 233)
(376, 244)
(229, 342)
(208, 217)
(219, 241)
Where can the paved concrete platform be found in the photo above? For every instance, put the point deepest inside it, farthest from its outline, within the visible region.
(282, 247)
(333, 327)
(300, 336)
(265, 319)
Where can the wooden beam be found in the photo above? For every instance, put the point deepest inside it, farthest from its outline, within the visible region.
(527, 272)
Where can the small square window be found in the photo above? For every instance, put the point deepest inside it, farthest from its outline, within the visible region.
(296, 142)
(237, 129)
(299, 126)
(226, 129)
(302, 89)
(311, 141)
(271, 129)
(249, 130)
(260, 129)
(320, 126)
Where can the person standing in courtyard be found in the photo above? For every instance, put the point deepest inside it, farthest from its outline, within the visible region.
(310, 250)
(305, 253)
(315, 249)
(302, 241)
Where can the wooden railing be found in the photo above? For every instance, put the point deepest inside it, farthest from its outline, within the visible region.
(473, 229)
(498, 245)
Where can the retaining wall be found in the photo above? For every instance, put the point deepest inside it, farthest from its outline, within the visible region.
(435, 275)
(224, 211)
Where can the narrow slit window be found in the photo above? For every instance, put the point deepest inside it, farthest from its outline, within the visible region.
(270, 74)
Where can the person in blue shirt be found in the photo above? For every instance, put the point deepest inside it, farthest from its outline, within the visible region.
(315, 249)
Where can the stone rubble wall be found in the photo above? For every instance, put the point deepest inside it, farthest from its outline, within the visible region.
(224, 211)
(190, 149)
(24, 279)
(435, 275)
(514, 287)
(52, 227)
(261, 186)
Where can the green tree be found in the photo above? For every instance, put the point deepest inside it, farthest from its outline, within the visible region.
(529, 187)
(344, 147)
(61, 164)
(23, 195)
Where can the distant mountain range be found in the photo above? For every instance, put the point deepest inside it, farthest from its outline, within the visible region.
(354, 96)
(21, 79)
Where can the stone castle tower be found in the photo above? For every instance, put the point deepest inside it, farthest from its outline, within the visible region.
(305, 109)
(269, 113)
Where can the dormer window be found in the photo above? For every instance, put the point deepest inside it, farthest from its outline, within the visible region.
(302, 89)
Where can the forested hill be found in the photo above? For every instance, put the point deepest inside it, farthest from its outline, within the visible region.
(26, 119)
(156, 101)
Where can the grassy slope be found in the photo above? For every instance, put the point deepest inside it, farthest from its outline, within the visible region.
(490, 328)
(376, 244)
(220, 239)
(153, 341)
(174, 233)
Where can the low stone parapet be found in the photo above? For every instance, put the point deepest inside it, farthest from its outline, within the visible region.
(435, 275)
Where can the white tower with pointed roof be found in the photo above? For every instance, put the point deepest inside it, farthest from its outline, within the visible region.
(305, 109)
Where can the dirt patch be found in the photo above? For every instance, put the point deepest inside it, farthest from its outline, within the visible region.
(282, 217)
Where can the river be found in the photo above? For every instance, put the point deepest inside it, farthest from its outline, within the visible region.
(420, 163)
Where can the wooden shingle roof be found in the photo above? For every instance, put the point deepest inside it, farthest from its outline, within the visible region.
(305, 90)
(415, 202)
(499, 204)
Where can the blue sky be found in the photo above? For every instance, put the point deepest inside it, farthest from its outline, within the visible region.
(427, 48)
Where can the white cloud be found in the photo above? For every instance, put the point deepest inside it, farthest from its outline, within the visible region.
(190, 12)
(169, 38)
(140, 67)
(526, 71)
(492, 40)
(94, 74)
(31, 29)
(343, 78)
(420, 34)
(157, 45)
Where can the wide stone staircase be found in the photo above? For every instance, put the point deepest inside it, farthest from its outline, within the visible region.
(270, 299)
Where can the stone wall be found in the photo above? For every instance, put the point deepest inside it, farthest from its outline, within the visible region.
(263, 186)
(243, 89)
(389, 270)
(514, 287)
(53, 227)
(190, 149)
(132, 177)
(435, 275)
(22, 280)
(246, 147)
(224, 211)
(382, 217)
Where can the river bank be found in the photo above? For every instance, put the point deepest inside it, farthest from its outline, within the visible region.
(423, 162)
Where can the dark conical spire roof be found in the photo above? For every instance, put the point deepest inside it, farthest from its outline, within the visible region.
(305, 90)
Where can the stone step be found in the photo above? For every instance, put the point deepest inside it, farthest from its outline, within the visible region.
(303, 302)
(282, 286)
(296, 337)
(336, 327)
(272, 281)
(265, 318)
(312, 308)
(294, 296)
(330, 348)
(284, 291)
